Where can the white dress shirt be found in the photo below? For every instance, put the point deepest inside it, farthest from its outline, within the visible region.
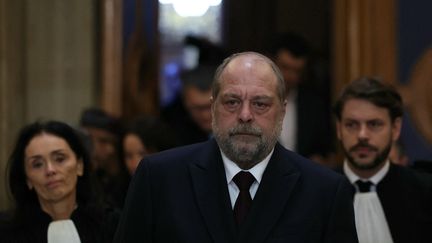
(231, 169)
(371, 224)
(288, 134)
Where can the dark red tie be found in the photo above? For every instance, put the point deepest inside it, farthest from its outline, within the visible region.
(243, 180)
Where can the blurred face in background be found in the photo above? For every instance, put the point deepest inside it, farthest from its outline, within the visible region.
(103, 147)
(397, 155)
(52, 169)
(134, 151)
(198, 104)
(291, 67)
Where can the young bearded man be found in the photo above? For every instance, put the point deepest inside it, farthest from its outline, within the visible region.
(391, 202)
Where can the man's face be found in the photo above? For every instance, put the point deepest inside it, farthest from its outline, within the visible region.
(198, 104)
(103, 147)
(291, 67)
(247, 113)
(366, 133)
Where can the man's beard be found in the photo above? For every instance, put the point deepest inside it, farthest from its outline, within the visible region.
(379, 159)
(248, 153)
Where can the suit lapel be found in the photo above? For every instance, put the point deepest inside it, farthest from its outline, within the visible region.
(389, 191)
(211, 192)
(277, 184)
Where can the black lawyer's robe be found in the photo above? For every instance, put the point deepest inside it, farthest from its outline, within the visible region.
(406, 198)
(181, 195)
(94, 225)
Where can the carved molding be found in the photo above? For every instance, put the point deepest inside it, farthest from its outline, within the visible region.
(417, 95)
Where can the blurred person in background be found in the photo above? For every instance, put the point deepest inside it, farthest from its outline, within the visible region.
(190, 117)
(104, 132)
(307, 126)
(143, 136)
(397, 154)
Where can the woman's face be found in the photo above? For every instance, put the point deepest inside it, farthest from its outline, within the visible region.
(52, 168)
(134, 151)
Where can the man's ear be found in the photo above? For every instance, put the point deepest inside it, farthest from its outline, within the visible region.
(396, 128)
(284, 104)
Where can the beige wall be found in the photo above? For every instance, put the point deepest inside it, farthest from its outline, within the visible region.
(12, 94)
(60, 58)
(48, 70)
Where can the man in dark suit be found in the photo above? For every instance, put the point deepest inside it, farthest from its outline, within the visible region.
(190, 116)
(241, 186)
(392, 203)
(307, 125)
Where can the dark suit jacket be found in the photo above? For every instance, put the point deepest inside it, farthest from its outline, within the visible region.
(406, 198)
(314, 129)
(184, 130)
(181, 195)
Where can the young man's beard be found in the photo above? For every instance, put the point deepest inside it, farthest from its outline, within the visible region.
(379, 159)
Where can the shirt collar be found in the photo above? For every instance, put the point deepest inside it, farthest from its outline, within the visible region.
(375, 179)
(231, 168)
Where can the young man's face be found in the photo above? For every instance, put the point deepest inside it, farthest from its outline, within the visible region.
(366, 133)
(104, 149)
